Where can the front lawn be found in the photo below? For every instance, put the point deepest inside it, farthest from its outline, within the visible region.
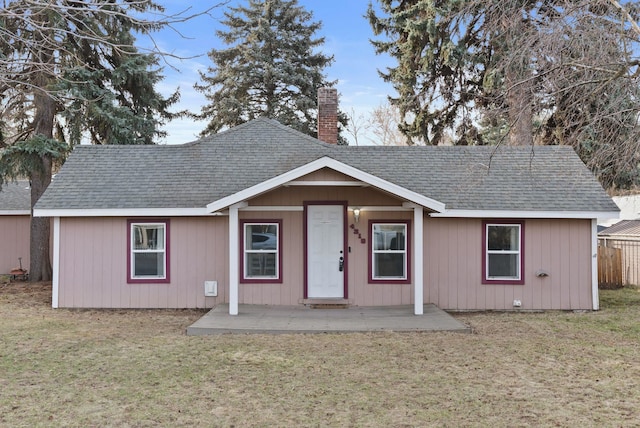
(137, 368)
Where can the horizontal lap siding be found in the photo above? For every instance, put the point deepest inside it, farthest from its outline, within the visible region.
(14, 242)
(297, 195)
(93, 264)
(453, 266)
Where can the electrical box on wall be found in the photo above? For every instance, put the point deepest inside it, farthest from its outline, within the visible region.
(211, 288)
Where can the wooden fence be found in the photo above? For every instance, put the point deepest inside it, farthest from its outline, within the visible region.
(609, 267)
(618, 262)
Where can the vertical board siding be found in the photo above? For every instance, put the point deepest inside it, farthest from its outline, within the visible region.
(93, 272)
(14, 242)
(453, 266)
(93, 260)
(290, 291)
(361, 292)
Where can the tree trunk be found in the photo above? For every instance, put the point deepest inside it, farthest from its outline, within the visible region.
(43, 119)
(40, 266)
(518, 83)
(520, 113)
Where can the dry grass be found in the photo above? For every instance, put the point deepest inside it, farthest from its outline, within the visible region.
(137, 368)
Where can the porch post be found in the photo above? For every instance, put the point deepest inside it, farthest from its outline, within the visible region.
(234, 265)
(418, 258)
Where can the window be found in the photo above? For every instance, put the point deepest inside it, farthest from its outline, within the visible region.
(503, 255)
(148, 254)
(261, 251)
(389, 259)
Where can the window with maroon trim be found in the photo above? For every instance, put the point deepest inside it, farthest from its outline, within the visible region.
(388, 252)
(503, 253)
(148, 251)
(261, 258)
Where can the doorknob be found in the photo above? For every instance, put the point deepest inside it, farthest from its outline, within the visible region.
(341, 264)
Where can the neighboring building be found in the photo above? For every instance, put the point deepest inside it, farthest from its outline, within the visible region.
(629, 210)
(15, 219)
(262, 214)
(625, 236)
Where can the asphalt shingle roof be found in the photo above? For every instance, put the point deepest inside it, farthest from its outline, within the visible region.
(624, 227)
(549, 178)
(15, 196)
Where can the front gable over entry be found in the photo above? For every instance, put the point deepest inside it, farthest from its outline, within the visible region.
(293, 175)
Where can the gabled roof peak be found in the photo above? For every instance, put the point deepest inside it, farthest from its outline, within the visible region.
(256, 129)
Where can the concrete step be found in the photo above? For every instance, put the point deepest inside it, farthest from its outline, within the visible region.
(327, 303)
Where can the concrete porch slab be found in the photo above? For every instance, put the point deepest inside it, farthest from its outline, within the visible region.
(301, 319)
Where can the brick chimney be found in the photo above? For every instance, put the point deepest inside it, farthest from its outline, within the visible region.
(328, 115)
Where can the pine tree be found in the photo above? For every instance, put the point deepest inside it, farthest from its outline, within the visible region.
(271, 68)
(519, 72)
(69, 71)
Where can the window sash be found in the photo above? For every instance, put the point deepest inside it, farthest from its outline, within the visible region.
(148, 239)
(495, 258)
(386, 264)
(261, 263)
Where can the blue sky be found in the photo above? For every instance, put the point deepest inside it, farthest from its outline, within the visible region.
(346, 33)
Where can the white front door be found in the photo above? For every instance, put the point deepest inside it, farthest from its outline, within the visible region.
(325, 251)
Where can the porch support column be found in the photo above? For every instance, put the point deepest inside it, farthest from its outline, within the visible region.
(234, 254)
(594, 265)
(418, 257)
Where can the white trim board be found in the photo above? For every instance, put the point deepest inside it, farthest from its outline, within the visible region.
(524, 214)
(327, 183)
(595, 297)
(55, 265)
(15, 212)
(124, 212)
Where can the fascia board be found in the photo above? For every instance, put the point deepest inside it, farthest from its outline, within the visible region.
(127, 212)
(525, 214)
(15, 212)
(325, 162)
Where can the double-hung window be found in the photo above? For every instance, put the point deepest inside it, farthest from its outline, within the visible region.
(261, 251)
(148, 251)
(389, 258)
(503, 254)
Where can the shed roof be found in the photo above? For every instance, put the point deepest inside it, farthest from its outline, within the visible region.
(546, 178)
(15, 198)
(623, 228)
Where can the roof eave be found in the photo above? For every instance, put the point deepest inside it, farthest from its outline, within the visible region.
(122, 212)
(15, 212)
(527, 214)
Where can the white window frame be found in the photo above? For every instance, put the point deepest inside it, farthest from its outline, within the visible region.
(374, 251)
(133, 251)
(245, 251)
(489, 252)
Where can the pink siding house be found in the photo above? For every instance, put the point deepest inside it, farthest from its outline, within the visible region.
(262, 214)
(15, 215)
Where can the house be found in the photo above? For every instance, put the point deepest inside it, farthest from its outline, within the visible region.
(623, 241)
(262, 214)
(629, 210)
(15, 219)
